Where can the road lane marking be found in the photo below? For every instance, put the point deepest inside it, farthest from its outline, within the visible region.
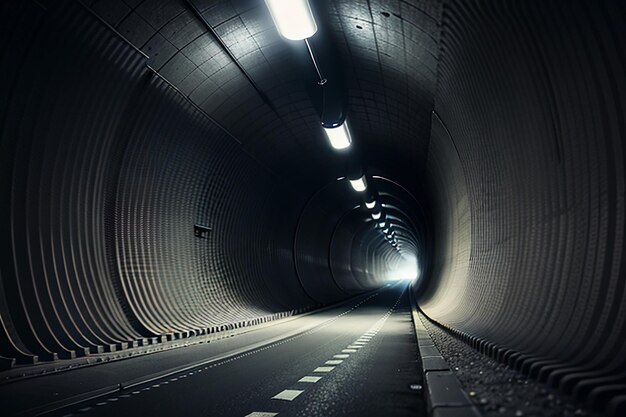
(324, 369)
(218, 362)
(288, 394)
(355, 347)
(311, 379)
(341, 356)
(334, 362)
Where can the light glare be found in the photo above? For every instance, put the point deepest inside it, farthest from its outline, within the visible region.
(376, 216)
(407, 270)
(339, 137)
(293, 18)
(370, 205)
(359, 185)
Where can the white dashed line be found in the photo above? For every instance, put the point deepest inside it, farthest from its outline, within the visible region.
(261, 414)
(324, 369)
(355, 347)
(360, 343)
(310, 379)
(341, 356)
(333, 362)
(349, 350)
(287, 395)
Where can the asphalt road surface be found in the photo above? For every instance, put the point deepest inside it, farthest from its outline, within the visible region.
(360, 360)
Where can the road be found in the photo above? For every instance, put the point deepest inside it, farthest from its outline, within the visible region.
(360, 360)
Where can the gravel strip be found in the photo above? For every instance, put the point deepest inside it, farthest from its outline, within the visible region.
(498, 390)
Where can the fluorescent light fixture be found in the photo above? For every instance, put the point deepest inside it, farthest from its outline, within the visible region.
(359, 185)
(341, 178)
(370, 205)
(385, 230)
(339, 136)
(376, 216)
(381, 224)
(293, 18)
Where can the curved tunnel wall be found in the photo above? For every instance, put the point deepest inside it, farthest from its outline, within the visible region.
(108, 169)
(527, 176)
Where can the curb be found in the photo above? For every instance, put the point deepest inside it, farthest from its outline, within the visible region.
(445, 396)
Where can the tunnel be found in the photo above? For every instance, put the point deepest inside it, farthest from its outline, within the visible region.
(313, 208)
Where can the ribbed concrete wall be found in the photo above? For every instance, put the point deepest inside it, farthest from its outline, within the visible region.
(105, 171)
(527, 168)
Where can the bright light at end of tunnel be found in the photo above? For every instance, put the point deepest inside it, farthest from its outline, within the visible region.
(370, 205)
(359, 185)
(339, 137)
(407, 270)
(293, 18)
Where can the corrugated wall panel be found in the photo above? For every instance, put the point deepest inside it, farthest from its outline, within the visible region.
(106, 171)
(533, 94)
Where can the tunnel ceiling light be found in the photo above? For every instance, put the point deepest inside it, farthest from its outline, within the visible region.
(381, 224)
(370, 205)
(376, 216)
(339, 137)
(359, 185)
(293, 18)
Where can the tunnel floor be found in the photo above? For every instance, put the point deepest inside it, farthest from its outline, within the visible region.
(355, 359)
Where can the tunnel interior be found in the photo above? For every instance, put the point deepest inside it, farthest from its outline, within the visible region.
(166, 174)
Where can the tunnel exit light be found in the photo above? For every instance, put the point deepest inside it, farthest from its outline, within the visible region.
(339, 137)
(293, 18)
(406, 270)
(359, 185)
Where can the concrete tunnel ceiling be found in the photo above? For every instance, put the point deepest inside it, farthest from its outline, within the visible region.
(492, 132)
